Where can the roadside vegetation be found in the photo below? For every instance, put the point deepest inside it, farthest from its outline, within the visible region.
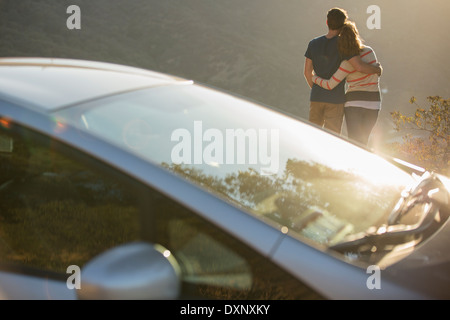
(426, 140)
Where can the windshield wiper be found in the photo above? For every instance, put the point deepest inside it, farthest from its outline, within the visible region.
(428, 191)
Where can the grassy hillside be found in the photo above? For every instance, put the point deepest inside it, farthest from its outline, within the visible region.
(251, 47)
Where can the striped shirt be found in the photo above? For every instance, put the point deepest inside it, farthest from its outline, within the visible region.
(363, 90)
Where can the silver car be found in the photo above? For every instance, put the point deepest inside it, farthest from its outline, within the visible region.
(123, 183)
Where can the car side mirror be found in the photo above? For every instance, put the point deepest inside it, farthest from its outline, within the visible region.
(134, 271)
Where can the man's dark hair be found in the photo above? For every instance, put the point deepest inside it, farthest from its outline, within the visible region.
(336, 18)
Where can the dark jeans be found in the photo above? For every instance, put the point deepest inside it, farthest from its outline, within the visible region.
(360, 122)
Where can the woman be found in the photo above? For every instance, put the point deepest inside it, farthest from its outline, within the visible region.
(363, 98)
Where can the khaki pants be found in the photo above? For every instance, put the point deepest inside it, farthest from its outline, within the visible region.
(327, 115)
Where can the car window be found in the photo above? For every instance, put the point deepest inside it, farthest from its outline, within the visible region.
(283, 171)
(55, 210)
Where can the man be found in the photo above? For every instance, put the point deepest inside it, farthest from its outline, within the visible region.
(322, 57)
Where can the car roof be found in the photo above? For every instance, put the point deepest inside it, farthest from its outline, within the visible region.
(48, 84)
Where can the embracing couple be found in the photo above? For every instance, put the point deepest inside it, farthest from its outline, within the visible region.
(337, 58)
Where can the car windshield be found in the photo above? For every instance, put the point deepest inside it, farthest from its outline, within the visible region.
(278, 168)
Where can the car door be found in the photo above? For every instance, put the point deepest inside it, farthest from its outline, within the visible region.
(61, 209)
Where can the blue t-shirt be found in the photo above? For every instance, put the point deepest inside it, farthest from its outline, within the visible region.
(326, 60)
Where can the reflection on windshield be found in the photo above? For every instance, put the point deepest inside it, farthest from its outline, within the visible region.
(319, 186)
(311, 199)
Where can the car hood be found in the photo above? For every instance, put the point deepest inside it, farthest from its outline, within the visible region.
(427, 268)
